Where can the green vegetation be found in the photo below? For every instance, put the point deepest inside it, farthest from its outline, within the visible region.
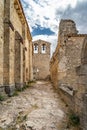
(15, 93)
(30, 84)
(74, 120)
(1, 128)
(25, 87)
(24, 117)
(2, 98)
(21, 118)
(31, 81)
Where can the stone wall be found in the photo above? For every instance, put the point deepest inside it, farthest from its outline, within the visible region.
(41, 60)
(1, 43)
(30, 61)
(1, 40)
(54, 70)
(16, 41)
(16, 56)
(71, 68)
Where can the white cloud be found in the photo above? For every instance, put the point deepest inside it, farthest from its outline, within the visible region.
(37, 11)
(43, 13)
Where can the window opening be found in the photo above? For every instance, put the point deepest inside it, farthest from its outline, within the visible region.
(43, 49)
(35, 48)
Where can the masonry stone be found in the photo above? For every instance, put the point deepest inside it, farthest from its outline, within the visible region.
(69, 59)
(41, 59)
(15, 46)
(1, 41)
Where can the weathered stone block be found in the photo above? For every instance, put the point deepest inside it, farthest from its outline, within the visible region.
(9, 89)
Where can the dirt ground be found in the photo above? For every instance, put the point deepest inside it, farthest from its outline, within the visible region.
(39, 107)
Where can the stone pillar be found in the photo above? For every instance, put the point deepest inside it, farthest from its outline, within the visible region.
(11, 62)
(30, 61)
(6, 46)
(1, 44)
(24, 58)
(18, 61)
(24, 65)
(21, 64)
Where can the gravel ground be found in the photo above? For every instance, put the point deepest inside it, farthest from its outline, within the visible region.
(39, 107)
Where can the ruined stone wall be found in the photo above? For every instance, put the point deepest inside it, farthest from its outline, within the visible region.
(30, 61)
(68, 77)
(16, 59)
(72, 68)
(1, 42)
(22, 28)
(15, 36)
(41, 60)
(69, 60)
(54, 71)
(18, 27)
(81, 97)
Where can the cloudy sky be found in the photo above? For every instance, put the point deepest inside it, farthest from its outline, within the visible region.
(44, 16)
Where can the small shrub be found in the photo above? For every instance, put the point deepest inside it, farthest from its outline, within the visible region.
(2, 98)
(74, 119)
(25, 117)
(21, 118)
(25, 87)
(15, 93)
(31, 81)
(19, 89)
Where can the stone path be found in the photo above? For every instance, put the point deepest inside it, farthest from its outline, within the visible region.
(37, 108)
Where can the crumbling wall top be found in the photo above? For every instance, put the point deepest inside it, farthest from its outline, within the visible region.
(67, 26)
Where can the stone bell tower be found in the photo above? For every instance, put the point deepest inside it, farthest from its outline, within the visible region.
(41, 59)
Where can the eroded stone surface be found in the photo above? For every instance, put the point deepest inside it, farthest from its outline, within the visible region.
(37, 108)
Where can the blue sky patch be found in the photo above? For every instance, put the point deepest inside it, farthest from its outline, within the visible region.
(42, 31)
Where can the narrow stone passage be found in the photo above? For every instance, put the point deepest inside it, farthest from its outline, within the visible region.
(37, 108)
